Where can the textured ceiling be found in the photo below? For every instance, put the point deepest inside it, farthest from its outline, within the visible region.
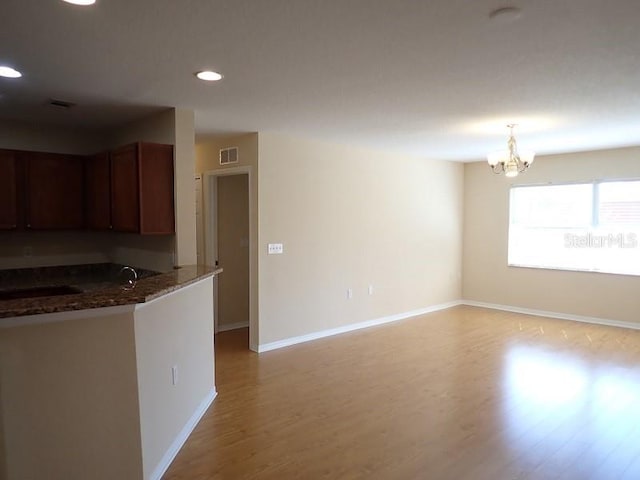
(436, 78)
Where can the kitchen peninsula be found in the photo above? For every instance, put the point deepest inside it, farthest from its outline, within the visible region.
(105, 383)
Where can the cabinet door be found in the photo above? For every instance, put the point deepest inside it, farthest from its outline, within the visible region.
(125, 203)
(54, 191)
(8, 191)
(156, 189)
(98, 192)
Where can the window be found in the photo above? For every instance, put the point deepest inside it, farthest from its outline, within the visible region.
(592, 227)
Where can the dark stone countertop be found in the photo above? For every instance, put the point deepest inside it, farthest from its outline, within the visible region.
(96, 291)
(85, 277)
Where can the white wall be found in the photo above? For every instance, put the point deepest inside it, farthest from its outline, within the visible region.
(153, 252)
(185, 197)
(17, 135)
(208, 149)
(487, 278)
(40, 249)
(175, 330)
(350, 218)
(70, 398)
(156, 128)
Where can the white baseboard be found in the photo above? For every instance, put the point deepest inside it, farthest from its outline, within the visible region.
(354, 326)
(561, 316)
(178, 442)
(232, 326)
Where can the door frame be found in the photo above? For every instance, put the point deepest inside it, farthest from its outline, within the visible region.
(209, 204)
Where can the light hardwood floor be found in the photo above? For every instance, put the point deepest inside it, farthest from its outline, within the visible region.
(465, 393)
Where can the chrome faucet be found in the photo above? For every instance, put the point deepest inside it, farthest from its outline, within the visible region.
(130, 277)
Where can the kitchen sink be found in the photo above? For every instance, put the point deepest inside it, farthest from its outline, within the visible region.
(38, 292)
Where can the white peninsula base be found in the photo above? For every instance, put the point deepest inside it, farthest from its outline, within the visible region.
(107, 393)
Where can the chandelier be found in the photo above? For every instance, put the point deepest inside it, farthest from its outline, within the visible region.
(509, 161)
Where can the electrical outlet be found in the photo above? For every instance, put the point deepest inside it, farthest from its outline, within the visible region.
(370, 289)
(275, 249)
(174, 375)
(349, 293)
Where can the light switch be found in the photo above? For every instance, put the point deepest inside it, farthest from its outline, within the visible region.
(275, 249)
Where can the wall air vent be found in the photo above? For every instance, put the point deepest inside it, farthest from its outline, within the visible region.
(228, 155)
(61, 104)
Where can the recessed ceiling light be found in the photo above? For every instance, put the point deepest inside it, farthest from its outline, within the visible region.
(209, 76)
(9, 72)
(505, 14)
(80, 2)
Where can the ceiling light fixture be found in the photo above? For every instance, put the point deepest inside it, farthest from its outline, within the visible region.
(510, 161)
(209, 76)
(505, 14)
(81, 2)
(9, 72)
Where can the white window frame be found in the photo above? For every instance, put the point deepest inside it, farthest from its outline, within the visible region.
(594, 236)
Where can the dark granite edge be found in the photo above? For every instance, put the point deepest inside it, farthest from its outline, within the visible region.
(146, 290)
(186, 283)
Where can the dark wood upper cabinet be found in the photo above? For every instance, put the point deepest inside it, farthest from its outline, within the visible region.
(125, 205)
(54, 191)
(128, 190)
(98, 192)
(142, 189)
(8, 190)
(156, 189)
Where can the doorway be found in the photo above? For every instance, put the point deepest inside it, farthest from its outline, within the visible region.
(228, 233)
(233, 251)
